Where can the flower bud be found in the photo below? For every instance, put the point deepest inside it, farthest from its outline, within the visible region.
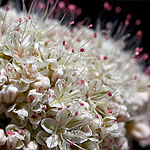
(41, 82)
(2, 137)
(8, 93)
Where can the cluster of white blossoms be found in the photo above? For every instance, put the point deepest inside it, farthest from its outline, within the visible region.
(67, 89)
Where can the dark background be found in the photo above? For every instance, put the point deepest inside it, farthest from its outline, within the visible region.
(140, 9)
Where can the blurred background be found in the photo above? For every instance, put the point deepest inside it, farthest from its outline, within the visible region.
(93, 10)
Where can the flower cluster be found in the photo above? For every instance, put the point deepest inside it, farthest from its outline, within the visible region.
(66, 88)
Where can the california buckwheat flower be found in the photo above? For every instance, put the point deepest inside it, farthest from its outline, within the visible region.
(64, 87)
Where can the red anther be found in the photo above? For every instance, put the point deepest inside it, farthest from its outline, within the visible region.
(137, 49)
(7, 8)
(145, 56)
(29, 17)
(87, 130)
(20, 20)
(87, 96)
(139, 33)
(109, 93)
(95, 35)
(147, 70)
(49, 95)
(105, 57)
(60, 108)
(17, 29)
(10, 69)
(110, 111)
(148, 86)
(71, 23)
(68, 106)
(78, 11)
(35, 114)
(138, 22)
(96, 116)
(30, 98)
(72, 50)
(81, 104)
(110, 140)
(19, 131)
(126, 22)
(118, 9)
(82, 82)
(51, 2)
(72, 7)
(135, 77)
(64, 43)
(107, 6)
(94, 89)
(141, 49)
(90, 26)
(82, 50)
(136, 53)
(71, 143)
(61, 5)
(109, 149)
(63, 85)
(9, 132)
(46, 43)
(129, 16)
(45, 107)
(108, 25)
(76, 113)
(98, 57)
(79, 40)
(41, 5)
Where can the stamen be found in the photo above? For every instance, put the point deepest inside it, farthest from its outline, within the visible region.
(45, 107)
(81, 104)
(95, 35)
(64, 85)
(19, 131)
(20, 20)
(64, 43)
(7, 8)
(82, 82)
(68, 106)
(96, 116)
(105, 57)
(135, 77)
(9, 132)
(90, 26)
(118, 9)
(82, 50)
(76, 113)
(71, 23)
(109, 93)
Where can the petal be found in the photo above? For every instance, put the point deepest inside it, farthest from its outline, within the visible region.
(49, 125)
(52, 141)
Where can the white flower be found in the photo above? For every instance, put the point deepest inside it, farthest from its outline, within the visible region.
(67, 88)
